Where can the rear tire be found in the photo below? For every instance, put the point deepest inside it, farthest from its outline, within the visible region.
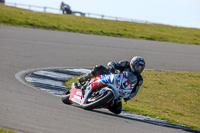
(116, 108)
(106, 98)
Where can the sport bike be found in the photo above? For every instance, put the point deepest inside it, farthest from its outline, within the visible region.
(102, 91)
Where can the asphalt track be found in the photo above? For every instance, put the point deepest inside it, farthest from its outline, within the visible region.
(29, 110)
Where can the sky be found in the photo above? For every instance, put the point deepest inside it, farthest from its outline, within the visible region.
(182, 13)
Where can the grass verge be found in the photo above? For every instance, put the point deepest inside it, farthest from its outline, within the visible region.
(6, 131)
(167, 95)
(19, 17)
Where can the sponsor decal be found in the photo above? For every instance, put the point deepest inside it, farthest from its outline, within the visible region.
(105, 78)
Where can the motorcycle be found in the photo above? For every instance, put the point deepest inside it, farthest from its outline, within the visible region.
(102, 91)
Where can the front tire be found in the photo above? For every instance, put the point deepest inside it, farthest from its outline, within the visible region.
(101, 101)
(65, 97)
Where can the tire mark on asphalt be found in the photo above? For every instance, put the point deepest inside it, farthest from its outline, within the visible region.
(52, 81)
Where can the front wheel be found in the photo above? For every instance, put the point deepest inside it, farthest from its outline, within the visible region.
(65, 97)
(101, 100)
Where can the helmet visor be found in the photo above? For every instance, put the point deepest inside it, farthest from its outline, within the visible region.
(138, 68)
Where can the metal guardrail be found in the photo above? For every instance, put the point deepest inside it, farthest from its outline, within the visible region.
(35, 8)
(58, 11)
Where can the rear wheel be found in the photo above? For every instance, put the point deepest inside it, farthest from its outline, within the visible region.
(116, 108)
(98, 100)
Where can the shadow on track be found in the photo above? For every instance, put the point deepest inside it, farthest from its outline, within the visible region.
(169, 125)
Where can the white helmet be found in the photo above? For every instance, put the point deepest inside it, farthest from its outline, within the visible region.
(137, 65)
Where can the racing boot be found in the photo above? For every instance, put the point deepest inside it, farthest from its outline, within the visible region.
(85, 78)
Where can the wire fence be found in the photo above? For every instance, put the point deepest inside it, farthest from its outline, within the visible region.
(58, 11)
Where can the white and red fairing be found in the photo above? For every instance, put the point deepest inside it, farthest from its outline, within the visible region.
(119, 84)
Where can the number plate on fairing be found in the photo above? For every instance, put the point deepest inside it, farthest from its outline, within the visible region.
(76, 96)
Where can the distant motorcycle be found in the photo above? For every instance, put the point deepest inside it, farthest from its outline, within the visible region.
(102, 91)
(65, 8)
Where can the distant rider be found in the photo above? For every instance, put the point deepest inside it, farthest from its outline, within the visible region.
(65, 8)
(135, 66)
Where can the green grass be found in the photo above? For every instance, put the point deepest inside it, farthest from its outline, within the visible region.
(6, 131)
(167, 95)
(19, 17)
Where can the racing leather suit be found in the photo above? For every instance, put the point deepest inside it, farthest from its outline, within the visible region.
(125, 66)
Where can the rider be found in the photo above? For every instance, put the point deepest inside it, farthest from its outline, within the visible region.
(135, 66)
(65, 8)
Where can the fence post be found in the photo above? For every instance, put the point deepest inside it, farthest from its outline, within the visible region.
(45, 9)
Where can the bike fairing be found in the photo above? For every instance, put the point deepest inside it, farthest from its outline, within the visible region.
(122, 84)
